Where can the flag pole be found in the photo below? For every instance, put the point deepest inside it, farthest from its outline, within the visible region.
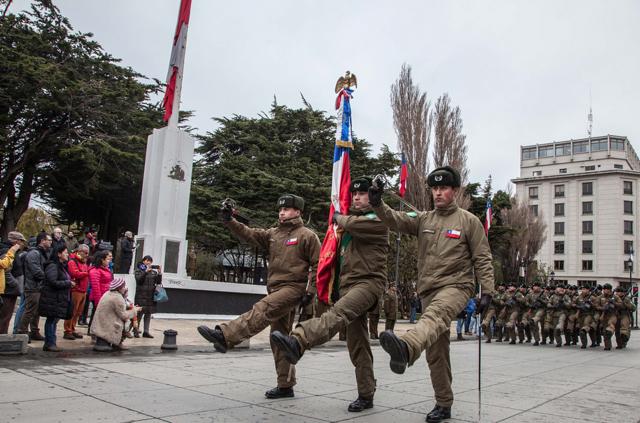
(173, 120)
(398, 251)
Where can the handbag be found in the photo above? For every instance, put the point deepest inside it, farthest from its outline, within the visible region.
(160, 294)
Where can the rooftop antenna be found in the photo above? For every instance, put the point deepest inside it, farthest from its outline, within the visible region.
(590, 117)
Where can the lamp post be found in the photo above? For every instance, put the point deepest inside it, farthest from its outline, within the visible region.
(553, 274)
(630, 265)
(524, 265)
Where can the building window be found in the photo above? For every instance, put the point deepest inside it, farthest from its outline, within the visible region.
(617, 166)
(558, 265)
(628, 247)
(587, 246)
(528, 153)
(628, 227)
(563, 170)
(597, 145)
(581, 147)
(617, 144)
(587, 207)
(626, 265)
(533, 192)
(628, 187)
(587, 264)
(562, 149)
(587, 227)
(587, 168)
(559, 228)
(545, 151)
(534, 209)
(559, 191)
(587, 188)
(537, 173)
(559, 247)
(628, 207)
(559, 209)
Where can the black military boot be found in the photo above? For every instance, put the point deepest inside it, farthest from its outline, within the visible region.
(215, 336)
(488, 341)
(439, 414)
(279, 393)
(512, 342)
(360, 404)
(397, 349)
(584, 347)
(593, 345)
(619, 347)
(288, 345)
(535, 344)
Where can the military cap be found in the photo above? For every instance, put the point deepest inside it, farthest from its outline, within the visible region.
(584, 287)
(607, 286)
(537, 284)
(361, 184)
(572, 287)
(290, 200)
(620, 289)
(502, 284)
(511, 284)
(444, 176)
(599, 287)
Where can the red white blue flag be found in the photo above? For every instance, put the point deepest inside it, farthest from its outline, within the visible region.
(488, 218)
(174, 62)
(340, 197)
(453, 234)
(403, 176)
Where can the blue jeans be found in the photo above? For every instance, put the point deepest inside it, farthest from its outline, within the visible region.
(467, 322)
(21, 307)
(50, 330)
(460, 325)
(412, 318)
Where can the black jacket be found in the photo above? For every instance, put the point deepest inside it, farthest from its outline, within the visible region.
(415, 302)
(55, 295)
(145, 286)
(126, 252)
(55, 242)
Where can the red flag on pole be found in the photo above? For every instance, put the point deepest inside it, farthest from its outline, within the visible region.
(174, 62)
(403, 176)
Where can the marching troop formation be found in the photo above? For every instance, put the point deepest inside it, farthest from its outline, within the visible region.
(576, 313)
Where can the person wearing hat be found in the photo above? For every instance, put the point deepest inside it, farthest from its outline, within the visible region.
(597, 322)
(512, 309)
(609, 305)
(112, 314)
(33, 280)
(625, 317)
(363, 276)
(522, 310)
(453, 253)
(536, 303)
(390, 308)
(496, 304)
(548, 320)
(291, 282)
(11, 277)
(571, 301)
(584, 315)
(558, 305)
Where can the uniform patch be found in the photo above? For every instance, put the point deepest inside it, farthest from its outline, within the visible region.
(453, 234)
(429, 231)
(412, 214)
(292, 241)
(371, 215)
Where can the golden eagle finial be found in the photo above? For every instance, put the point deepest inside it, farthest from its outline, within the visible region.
(346, 82)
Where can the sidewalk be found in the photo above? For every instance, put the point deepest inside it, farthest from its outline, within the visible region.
(521, 383)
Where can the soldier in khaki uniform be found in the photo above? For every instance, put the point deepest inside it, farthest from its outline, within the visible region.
(570, 301)
(534, 317)
(363, 275)
(522, 328)
(512, 307)
(390, 308)
(546, 327)
(496, 305)
(584, 315)
(191, 262)
(453, 253)
(374, 319)
(609, 305)
(557, 305)
(625, 317)
(293, 251)
(597, 321)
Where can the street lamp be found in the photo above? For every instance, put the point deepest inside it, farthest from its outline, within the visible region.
(553, 274)
(524, 264)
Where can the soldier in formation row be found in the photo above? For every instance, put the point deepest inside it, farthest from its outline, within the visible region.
(576, 313)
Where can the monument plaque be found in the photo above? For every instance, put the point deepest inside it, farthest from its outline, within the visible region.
(171, 256)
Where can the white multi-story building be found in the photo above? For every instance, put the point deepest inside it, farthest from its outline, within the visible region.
(587, 191)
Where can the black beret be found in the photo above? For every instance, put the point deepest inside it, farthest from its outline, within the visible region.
(361, 184)
(444, 176)
(537, 284)
(290, 200)
(607, 286)
(620, 289)
(599, 287)
(502, 284)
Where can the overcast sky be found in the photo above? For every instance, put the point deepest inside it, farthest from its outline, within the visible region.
(522, 73)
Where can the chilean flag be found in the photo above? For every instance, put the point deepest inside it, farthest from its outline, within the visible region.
(488, 218)
(174, 62)
(340, 198)
(403, 176)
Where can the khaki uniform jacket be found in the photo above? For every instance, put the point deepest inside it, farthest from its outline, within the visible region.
(462, 257)
(364, 261)
(293, 252)
(497, 302)
(628, 306)
(581, 300)
(391, 305)
(555, 299)
(604, 299)
(192, 261)
(519, 301)
(533, 296)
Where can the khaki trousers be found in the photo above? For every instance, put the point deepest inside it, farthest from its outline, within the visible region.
(623, 327)
(277, 310)
(584, 324)
(374, 319)
(487, 322)
(609, 325)
(558, 323)
(349, 311)
(532, 320)
(30, 317)
(389, 324)
(432, 332)
(78, 306)
(511, 324)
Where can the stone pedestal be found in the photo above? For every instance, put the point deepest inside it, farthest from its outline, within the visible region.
(13, 344)
(165, 200)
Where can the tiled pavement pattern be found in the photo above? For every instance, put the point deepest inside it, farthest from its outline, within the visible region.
(521, 383)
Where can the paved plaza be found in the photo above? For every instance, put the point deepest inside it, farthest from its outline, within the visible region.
(521, 383)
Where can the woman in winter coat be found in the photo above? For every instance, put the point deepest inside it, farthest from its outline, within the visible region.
(112, 314)
(100, 277)
(146, 281)
(55, 295)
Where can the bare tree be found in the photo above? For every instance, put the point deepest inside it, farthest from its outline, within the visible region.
(412, 123)
(523, 243)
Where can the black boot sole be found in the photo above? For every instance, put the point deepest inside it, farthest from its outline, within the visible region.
(359, 409)
(291, 357)
(279, 396)
(393, 346)
(202, 330)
